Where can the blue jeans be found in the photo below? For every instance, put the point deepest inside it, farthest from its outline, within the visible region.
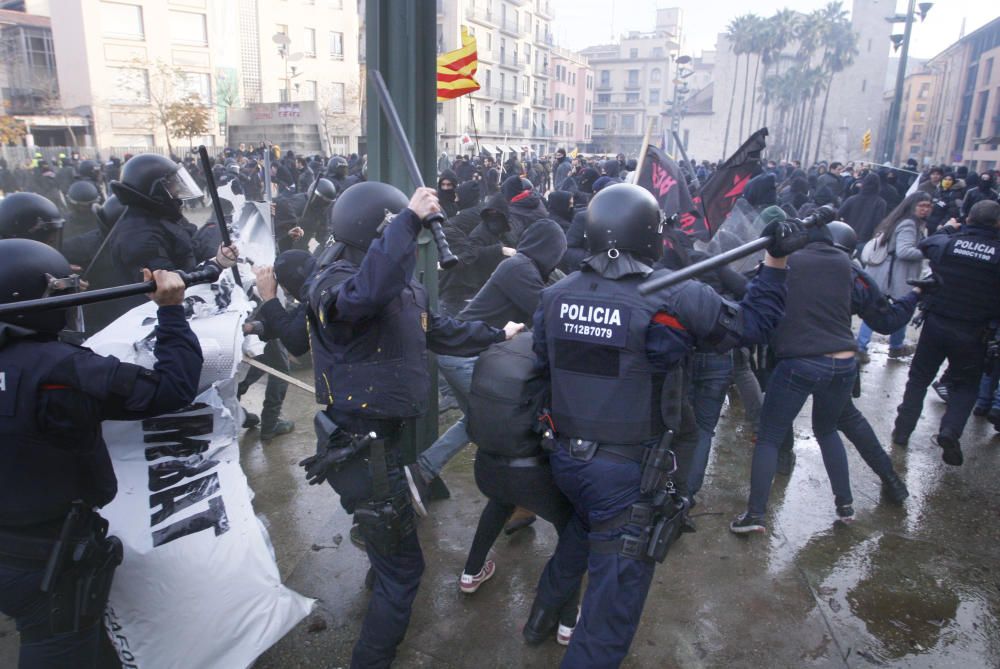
(989, 392)
(711, 376)
(829, 381)
(458, 373)
(22, 600)
(896, 339)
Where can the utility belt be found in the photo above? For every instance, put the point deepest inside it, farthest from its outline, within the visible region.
(517, 463)
(661, 516)
(387, 518)
(79, 565)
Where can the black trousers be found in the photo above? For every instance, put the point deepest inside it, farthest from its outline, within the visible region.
(274, 355)
(963, 344)
(506, 487)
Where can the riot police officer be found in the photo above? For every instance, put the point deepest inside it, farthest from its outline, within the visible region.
(616, 402)
(81, 198)
(56, 470)
(336, 171)
(300, 217)
(370, 328)
(30, 216)
(967, 260)
(90, 171)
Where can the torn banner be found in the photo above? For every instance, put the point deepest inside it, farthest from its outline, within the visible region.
(199, 586)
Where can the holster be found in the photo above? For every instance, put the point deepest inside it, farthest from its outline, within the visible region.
(387, 518)
(79, 571)
(340, 445)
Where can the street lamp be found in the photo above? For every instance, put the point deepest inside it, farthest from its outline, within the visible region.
(897, 99)
(284, 44)
(680, 92)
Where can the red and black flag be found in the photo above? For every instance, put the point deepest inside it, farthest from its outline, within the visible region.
(726, 185)
(662, 177)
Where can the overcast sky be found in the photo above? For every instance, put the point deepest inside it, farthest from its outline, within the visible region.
(581, 23)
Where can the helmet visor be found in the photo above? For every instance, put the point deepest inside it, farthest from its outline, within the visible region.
(181, 186)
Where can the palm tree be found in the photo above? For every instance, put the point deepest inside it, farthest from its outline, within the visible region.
(840, 47)
(752, 45)
(737, 32)
(781, 29)
(762, 44)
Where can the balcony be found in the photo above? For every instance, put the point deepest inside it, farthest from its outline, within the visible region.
(482, 16)
(510, 26)
(545, 10)
(633, 86)
(509, 62)
(487, 55)
(541, 70)
(603, 86)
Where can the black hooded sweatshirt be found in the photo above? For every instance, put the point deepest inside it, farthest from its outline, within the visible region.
(515, 287)
(560, 209)
(479, 251)
(864, 211)
(448, 199)
(525, 206)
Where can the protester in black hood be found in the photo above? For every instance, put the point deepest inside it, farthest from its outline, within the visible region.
(864, 211)
(983, 190)
(822, 196)
(561, 207)
(889, 190)
(611, 168)
(526, 206)
(797, 193)
(479, 251)
(576, 240)
(446, 192)
(761, 191)
(513, 290)
(468, 194)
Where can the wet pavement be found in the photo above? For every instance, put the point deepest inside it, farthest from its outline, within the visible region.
(910, 586)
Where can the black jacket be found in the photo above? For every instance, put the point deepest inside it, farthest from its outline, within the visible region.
(514, 289)
(525, 211)
(864, 211)
(479, 251)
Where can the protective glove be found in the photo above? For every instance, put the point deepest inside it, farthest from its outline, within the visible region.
(319, 466)
(927, 284)
(226, 256)
(786, 237)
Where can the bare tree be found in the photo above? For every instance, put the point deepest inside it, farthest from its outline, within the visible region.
(339, 111)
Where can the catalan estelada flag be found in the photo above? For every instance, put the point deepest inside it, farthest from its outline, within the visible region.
(456, 69)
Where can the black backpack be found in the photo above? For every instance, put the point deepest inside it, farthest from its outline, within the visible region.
(506, 398)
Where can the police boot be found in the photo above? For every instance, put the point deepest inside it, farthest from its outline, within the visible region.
(894, 488)
(568, 617)
(542, 622)
(951, 450)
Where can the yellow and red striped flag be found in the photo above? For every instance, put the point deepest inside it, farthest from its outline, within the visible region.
(456, 69)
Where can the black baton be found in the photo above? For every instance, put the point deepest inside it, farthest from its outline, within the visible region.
(445, 256)
(220, 218)
(821, 216)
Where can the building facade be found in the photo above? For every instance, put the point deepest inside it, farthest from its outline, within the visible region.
(633, 81)
(912, 137)
(572, 99)
(963, 125)
(513, 109)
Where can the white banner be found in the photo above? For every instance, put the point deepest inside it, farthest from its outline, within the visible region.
(199, 586)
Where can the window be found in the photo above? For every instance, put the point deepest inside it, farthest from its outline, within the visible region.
(654, 75)
(925, 88)
(197, 83)
(633, 53)
(188, 28)
(309, 39)
(590, 82)
(633, 77)
(515, 53)
(632, 97)
(589, 107)
(489, 80)
(336, 45)
(307, 91)
(524, 121)
(605, 80)
(503, 86)
(603, 98)
(500, 117)
(657, 52)
(586, 131)
(513, 120)
(600, 122)
(527, 53)
(337, 97)
(524, 86)
(987, 74)
(129, 86)
(133, 140)
(487, 117)
(628, 121)
(122, 21)
(654, 96)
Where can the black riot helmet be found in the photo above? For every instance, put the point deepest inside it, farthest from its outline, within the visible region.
(337, 167)
(109, 212)
(625, 217)
(156, 183)
(844, 236)
(30, 216)
(82, 194)
(89, 169)
(325, 190)
(31, 270)
(359, 213)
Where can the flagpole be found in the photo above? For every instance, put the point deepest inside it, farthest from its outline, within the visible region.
(475, 130)
(642, 152)
(687, 161)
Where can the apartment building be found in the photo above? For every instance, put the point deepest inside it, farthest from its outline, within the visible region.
(633, 81)
(513, 110)
(572, 99)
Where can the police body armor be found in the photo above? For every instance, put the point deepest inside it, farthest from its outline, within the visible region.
(970, 278)
(43, 477)
(376, 369)
(603, 387)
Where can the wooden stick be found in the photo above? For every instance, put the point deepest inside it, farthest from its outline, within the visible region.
(642, 152)
(280, 375)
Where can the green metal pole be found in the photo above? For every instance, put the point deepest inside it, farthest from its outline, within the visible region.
(400, 44)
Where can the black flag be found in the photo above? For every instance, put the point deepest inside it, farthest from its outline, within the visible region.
(726, 185)
(662, 177)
